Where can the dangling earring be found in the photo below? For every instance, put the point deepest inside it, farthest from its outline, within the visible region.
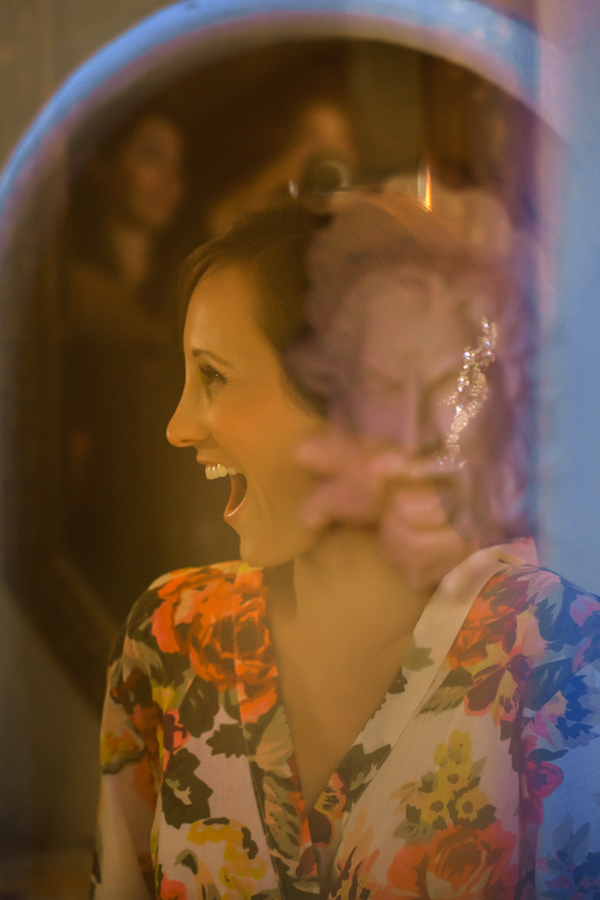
(471, 391)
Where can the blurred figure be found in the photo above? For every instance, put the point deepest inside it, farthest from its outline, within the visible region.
(131, 192)
(321, 159)
(120, 359)
(290, 129)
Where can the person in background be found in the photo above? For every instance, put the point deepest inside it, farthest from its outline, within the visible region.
(127, 199)
(118, 348)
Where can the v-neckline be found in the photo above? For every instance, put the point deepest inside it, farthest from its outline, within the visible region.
(432, 639)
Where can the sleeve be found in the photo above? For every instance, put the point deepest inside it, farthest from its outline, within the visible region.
(560, 761)
(130, 779)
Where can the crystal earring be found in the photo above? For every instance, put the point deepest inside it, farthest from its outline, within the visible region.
(471, 391)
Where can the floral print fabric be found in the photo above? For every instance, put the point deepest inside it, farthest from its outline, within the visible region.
(477, 778)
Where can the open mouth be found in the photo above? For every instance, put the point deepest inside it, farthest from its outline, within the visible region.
(238, 492)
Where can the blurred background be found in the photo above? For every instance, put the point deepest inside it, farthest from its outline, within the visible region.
(96, 504)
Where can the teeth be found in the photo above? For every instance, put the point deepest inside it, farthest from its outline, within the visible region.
(217, 470)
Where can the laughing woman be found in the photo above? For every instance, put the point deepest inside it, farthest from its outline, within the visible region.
(377, 702)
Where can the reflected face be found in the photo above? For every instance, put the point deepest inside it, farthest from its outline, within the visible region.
(144, 177)
(411, 355)
(237, 413)
(323, 131)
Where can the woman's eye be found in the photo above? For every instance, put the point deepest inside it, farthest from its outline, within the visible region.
(211, 377)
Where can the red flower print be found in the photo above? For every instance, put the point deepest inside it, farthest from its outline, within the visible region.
(498, 688)
(492, 620)
(175, 735)
(541, 779)
(255, 661)
(460, 863)
(134, 694)
(172, 890)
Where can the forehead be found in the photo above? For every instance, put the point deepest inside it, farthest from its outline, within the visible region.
(410, 315)
(223, 308)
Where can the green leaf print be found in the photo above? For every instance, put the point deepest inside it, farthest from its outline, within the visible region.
(228, 740)
(358, 768)
(273, 748)
(199, 707)
(450, 693)
(281, 816)
(184, 796)
(417, 658)
(414, 831)
(189, 860)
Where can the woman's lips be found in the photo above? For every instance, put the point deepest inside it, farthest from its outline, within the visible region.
(238, 493)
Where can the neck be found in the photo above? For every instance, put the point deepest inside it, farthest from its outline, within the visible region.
(345, 586)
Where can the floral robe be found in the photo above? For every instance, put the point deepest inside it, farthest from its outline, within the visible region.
(477, 778)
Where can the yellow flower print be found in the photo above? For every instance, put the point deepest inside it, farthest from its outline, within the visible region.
(454, 774)
(454, 758)
(469, 805)
(242, 866)
(115, 749)
(448, 796)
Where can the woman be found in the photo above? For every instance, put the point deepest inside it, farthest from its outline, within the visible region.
(319, 719)
(120, 357)
(127, 199)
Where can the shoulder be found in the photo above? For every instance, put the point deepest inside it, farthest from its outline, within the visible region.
(563, 611)
(554, 641)
(180, 603)
(538, 616)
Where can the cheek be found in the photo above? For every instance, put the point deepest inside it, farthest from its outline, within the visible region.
(141, 178)
(248, 430)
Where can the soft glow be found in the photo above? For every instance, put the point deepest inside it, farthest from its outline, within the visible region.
(427, 197)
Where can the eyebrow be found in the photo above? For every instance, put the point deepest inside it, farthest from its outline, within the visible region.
(199, 351)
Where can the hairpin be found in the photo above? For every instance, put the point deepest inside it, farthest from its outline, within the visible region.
(471, 391)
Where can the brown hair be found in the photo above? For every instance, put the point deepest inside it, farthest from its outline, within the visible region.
(271, 246)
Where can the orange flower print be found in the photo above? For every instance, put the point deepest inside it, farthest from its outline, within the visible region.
(191, 601)
(355, 879)
(195, 620)
(459, 864)
(327, 811)
(134, 694)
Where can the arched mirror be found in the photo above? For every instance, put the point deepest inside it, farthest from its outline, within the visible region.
(197, 118)
(101, 504)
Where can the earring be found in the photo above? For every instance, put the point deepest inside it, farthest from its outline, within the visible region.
(471, 391)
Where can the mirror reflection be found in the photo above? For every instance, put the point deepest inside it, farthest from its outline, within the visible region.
(295, 120)
(156, 175)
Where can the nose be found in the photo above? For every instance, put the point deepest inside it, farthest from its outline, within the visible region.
(419, 428)
(187, 427)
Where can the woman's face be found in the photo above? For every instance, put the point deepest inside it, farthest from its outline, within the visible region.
(413, 342)
(143, 178)
(237, 413)
(411, 354)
